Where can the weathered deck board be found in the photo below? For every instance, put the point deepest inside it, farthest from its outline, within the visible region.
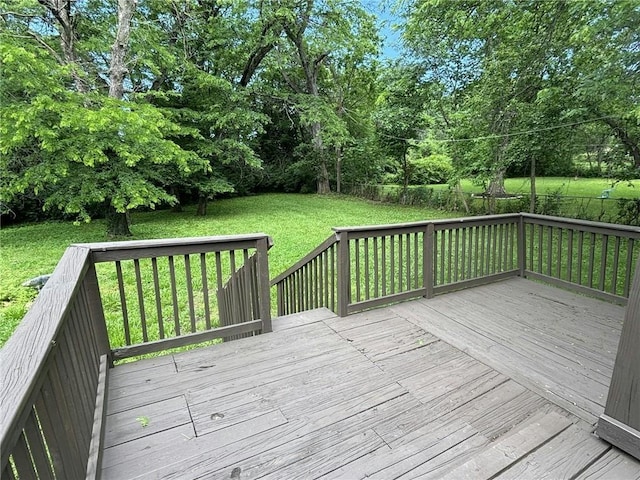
(565, 456)
(375, 394)
(613, 465)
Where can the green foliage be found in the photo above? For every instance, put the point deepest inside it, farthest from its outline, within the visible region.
(435, 168)
(629, 211)
(93, 148)
(517, 85)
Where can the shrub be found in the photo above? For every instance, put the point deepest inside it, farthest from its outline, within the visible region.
(431, 170)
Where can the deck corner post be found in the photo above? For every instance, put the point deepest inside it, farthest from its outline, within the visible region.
(344, 273)
(262, 247)
(620, 424)
(427, 274)
(521, 246)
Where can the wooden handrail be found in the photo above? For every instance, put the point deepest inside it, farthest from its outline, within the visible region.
(132, 249)
(306, 259)
(584, 225)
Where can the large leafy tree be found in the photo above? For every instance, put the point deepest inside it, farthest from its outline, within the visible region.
(326, 40)
(605, 75)
(69, 131)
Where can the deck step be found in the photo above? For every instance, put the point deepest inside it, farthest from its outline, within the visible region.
(510, 448)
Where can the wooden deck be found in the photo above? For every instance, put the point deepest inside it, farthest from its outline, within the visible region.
(498, 381)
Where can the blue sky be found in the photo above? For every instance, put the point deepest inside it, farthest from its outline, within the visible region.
(382, 9)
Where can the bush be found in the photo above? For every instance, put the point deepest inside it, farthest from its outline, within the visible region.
(629, 211)
(431, 170)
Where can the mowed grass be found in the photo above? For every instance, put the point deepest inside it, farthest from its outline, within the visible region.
(297, 224)
(565, 186)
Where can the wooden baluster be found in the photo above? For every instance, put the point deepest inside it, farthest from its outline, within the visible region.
(592, 250)
(123, 304)
(367, 273)
(603, 261)
(580, 256)
(570, 255)
(205, 291)
(143, 317)
(616, 260)
(174, 296)
(156, 289)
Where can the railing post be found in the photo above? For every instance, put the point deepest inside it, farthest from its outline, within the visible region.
(344, 274)
(521, 246)
(620, 424)
(427, 255)
(96, 311)
(262, 247)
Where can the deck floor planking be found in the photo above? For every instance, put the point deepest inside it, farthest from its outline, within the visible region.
(408, 391)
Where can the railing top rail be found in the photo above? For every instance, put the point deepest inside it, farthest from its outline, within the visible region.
(584, 224)
(303, 261)
(424, 223)
(135, 249)
(24, 356)
(173, 242)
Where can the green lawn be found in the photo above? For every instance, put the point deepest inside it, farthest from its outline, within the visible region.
(566, 186)
(297, 224)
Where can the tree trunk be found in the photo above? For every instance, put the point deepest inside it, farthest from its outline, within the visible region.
(310, 67)
(118, 67)
(117, 223)
(177, 207)
(532, 201)
(405, 177)
(202, 207)
(339, 169)
(460, 193)
(61, 11)
(318, 149)
(496, 186)
(630, 143)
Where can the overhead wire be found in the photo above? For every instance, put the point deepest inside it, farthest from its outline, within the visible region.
(503, 135)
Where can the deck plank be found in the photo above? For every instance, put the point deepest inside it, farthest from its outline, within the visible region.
(565, 456)
(500, 454)
(146, 420)
(613, 465)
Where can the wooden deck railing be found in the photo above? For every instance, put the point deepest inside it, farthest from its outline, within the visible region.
(53, 378)
(620, 423)
(593, 258)
(364, 267)
(311, 282)
(166, 290)
(55, 366)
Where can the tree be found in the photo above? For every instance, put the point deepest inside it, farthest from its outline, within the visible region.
(399, 115)
(604, 81)
(518, 79)
(324, 37)
(68, 133)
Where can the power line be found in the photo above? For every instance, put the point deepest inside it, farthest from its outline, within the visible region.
(504, 135)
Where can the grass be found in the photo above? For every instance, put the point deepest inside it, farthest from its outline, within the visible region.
(297, 224)
(566, 186)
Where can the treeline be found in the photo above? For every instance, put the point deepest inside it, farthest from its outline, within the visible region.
(108, 106)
